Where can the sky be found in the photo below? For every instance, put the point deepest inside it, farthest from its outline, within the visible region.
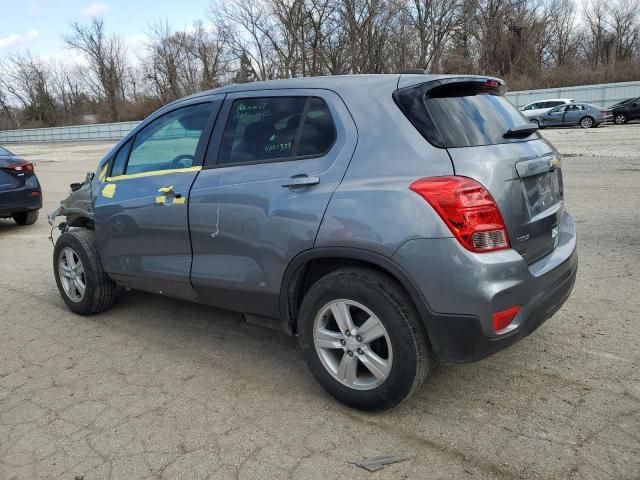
(38, 25)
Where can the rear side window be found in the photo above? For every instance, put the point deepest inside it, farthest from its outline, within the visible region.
(275, 129)
(463, 114)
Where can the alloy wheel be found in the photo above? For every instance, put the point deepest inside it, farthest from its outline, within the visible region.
(586, 122)
(352, 344)
(620, 119)
(71, 273)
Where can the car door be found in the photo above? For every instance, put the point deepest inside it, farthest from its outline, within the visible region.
(572, 114)
(554, 117)
(261, 196)
(141, 206)
(634, 109)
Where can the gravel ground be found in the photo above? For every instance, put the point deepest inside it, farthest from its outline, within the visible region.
(160, 388)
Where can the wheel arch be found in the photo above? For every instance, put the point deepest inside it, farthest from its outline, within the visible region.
(311, 265)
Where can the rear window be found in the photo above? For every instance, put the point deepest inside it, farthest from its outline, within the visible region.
(461, 115)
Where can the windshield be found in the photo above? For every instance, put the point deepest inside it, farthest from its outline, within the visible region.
(4, 151)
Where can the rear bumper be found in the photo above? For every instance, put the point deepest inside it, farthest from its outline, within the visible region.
(462, 290)
(20, 200)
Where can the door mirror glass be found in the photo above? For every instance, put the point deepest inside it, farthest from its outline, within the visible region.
(170, 141)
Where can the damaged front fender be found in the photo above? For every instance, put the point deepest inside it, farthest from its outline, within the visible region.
(78, 206)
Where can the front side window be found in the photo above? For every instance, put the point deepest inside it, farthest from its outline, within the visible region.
(276, 128)
(169, 141)
(120, 160)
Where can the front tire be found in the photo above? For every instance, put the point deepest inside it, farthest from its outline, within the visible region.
(25, 218)
(362, 340)
(535, 123)
(82, 282)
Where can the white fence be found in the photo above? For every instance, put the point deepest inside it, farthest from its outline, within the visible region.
(603, 95)
(76, 133)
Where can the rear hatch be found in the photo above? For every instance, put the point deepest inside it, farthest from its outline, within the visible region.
(489, 140)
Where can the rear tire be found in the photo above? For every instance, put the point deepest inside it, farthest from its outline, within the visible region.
(25, 218)
(90, 291)
(399, 345)
(535, 122)
(587, 122)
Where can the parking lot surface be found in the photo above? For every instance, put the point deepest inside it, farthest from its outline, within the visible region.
(161, 388)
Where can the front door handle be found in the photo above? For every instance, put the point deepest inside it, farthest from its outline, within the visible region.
(302, 180)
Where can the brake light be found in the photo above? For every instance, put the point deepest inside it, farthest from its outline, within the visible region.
(492, 83)
(468, 209)
(501, 320)
(22, 167)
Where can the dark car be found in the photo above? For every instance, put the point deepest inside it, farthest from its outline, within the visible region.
(626, 110)
(20, 192)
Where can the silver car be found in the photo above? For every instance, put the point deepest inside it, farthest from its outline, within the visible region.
(585, 115)
(391, 222)
(533, 110)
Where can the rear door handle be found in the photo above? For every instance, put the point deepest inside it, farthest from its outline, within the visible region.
(303, 180)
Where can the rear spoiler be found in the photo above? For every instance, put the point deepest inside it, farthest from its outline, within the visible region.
(496, 86)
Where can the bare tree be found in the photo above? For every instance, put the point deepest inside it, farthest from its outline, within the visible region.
(28, 80)
(624, 18)
(249, 29)
(107, 58)
(564, 37)
(434, 22)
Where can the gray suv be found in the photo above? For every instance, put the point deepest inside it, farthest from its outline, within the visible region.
(391, 222)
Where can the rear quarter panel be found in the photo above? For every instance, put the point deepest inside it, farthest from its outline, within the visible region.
(373, 208)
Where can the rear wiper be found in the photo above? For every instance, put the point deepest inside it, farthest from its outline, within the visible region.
(520, 131)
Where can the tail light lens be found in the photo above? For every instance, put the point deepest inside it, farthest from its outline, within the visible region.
(21, 167)
(468, 209)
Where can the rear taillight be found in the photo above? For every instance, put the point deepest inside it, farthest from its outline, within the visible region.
(468, 209)
(22, 167)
